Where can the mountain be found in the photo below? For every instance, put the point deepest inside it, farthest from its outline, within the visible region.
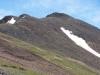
(8, 19)
(57, 44)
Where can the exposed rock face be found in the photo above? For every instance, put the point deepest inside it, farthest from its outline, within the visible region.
(7, 18)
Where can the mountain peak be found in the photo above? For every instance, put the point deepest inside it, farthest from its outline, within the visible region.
(56, 14)
(24, 15)
(7, 18)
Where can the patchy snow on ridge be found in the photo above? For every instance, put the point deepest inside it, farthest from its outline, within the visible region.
(11, 21)
(80, 42)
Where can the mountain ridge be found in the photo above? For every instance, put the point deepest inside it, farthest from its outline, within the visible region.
(46, 35)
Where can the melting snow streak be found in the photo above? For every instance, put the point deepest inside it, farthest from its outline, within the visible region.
(80, 42)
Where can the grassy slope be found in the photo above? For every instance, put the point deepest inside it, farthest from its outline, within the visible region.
(15, 69)
(72, 66)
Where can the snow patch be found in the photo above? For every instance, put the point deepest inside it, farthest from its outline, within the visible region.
(80, 42)
(11, 21)
(23, 16)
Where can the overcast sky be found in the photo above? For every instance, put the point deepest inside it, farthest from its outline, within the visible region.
(87, 10)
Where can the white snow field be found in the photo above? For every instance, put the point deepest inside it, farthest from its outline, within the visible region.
(11, 21)
(80, 42)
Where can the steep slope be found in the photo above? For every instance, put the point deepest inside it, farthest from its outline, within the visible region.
(12, 50)
(45, 33)
(20, 58)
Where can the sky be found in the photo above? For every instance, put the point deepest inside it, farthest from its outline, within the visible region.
(86, 10)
